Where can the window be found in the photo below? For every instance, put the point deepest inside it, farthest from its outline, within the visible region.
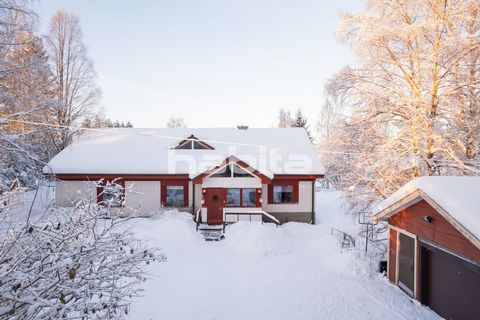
(237, 197)
(185, 146)
(174, 193)
(224, 172)
(198, 145)
(175, 196)
(249, 197)
(283, 194)
(231, 171)
(233, 197)
(239, 172)
(112, 195)
(192, 143)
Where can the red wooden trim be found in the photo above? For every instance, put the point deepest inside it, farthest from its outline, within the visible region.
(258, 195)
(192, 138)
(284, 182)
(392, 256)
(439, 231)
(303, 177)
(99, 193)
(129, 177)
(177, 182)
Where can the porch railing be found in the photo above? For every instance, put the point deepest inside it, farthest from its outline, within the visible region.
(243, 212)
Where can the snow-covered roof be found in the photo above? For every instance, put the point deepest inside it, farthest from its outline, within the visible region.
(152, 151)
(459, 197)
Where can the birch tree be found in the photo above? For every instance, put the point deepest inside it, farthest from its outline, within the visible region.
(24, 96)
(74, 76)
(284, 118)
(408, 95)
(176, 122)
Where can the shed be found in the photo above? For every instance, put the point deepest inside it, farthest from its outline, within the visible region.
(434, 243)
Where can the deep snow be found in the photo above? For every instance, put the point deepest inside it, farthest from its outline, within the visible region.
(295, 271)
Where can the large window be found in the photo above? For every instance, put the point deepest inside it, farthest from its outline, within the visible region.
(233, 197)
(237, 197)
(249, 197)
(283, 194)
(175, 196)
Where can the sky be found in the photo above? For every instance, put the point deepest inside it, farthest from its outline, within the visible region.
(214, 63)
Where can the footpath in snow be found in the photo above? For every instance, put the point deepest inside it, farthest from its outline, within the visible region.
(295, 271)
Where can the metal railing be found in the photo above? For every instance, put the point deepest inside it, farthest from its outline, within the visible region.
(347, 240)
(198, 218)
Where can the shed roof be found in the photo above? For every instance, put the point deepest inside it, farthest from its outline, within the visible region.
(456, 198)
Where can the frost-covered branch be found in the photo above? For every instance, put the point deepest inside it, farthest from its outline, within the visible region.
(75, 263)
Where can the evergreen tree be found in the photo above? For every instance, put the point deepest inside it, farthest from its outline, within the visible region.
(300, 121)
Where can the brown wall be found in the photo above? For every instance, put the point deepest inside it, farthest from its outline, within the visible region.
(285, 217)
(392, 256)
(439, 231)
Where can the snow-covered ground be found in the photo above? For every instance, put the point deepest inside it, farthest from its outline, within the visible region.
(295, 271)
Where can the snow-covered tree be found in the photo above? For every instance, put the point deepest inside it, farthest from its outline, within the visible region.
(76, 262)
(410, 101)
(100, 121)
(176, 122)
(74, 77)
(24, 96)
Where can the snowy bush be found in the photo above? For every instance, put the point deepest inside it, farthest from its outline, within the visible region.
(75, 263)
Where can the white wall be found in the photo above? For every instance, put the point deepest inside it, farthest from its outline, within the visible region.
(142, 196)
(198, 197)
(232, 183)
(67, 193)
(304, 200)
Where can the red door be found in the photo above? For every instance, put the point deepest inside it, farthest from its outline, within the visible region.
(215, 202)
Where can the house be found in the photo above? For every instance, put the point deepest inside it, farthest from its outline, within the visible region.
(434, 243)
(218, 174)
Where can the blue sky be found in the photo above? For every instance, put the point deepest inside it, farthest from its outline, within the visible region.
(214, 63)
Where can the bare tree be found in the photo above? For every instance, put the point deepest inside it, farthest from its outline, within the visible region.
(176, 122)
(74, 76)
(284, 118)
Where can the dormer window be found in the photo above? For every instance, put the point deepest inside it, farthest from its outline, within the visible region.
(193, 143)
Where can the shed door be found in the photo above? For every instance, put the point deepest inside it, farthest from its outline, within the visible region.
(450, 285)
(406, 264)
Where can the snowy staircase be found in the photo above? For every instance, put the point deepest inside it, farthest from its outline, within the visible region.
(212, 232)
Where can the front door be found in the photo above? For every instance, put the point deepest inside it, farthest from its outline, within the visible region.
(215, 202)
(406, 264)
